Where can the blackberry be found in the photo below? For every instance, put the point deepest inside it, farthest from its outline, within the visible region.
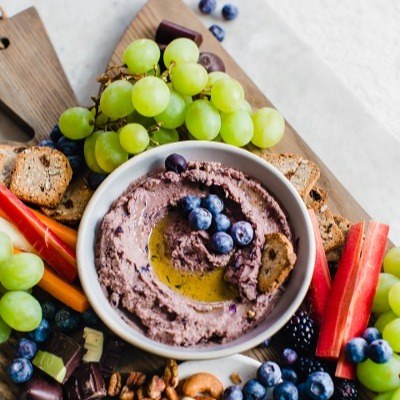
(306, 365)
(345, 390)
(300, 333)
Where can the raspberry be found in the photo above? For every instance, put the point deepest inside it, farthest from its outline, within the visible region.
(345, 390)
(300, 333)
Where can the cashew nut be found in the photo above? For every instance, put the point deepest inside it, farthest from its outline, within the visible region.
(203, 382)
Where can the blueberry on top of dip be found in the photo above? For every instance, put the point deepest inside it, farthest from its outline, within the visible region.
(166, 277)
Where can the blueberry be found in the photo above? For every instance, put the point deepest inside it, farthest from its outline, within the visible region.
(230, 11)
(356, 349)
(289, 356)
(41, 333)
(67, 320)
(49, 310)
(68, 146)
(232, 392)
(20, 370)
(212, 203)
(175, 163)
(289, 374)
(371, 333)
(220, 223)
(188, 204)
(254, 390)
(77, 163)
(47, 143)
(242, 233)
(379, 351)
(269, 373)
(90, 318)
(319, 386)
(221, 242)
(56, 134)
(200, 219)
(218, 32)
(285, 391)
(94, 179)
(25, 348)
(207, 6)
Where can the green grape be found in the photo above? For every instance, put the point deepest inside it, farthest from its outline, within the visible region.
(5, 331)
(116, 99)
(384, 319)
(269, 127)
(20, 310)
(109, 152)
(391, 261)
(214, 76)
(217, 138)
(6, 247)
(150, 96)
(174, 115)
(134, 138)
(88, 152)
(181, 51)
(246, 106)
(203, 120)
(394, 298)
(164, 136)
(236, 128)
(189, 79)
(137, 118)
(391, 333)
(381, 298)
(385, 395)
(380, 377)
(21, 271)
(141, 56)
(76, 123)
(227, 94)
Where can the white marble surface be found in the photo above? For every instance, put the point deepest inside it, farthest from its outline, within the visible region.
(331, 68)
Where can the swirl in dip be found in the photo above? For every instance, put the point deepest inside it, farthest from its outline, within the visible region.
(162, 274)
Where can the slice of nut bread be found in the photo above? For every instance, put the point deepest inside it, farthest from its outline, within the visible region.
(8, 154)
(278, 259)
(73, 203)
(41, 175)
(316, 198)
(332, 235)
(302, 173)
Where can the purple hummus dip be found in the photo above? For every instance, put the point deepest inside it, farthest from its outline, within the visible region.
(127, 274)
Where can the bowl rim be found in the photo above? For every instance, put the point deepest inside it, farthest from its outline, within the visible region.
(136, 338)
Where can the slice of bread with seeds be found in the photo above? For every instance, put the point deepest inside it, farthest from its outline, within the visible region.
(73, 203)
(302, 173)
(332, 236)
(8, 155)
(41, 176)
(316, 198)
(278, 259)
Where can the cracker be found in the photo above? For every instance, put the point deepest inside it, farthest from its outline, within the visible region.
(278, 259)
(8, 155)
(41, 175)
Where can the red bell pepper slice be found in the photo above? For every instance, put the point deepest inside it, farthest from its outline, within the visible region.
(330, 338)
(321, 281)
(45, 243)
(360, 308)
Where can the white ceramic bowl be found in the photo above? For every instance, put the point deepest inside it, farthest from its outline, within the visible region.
(241, 159)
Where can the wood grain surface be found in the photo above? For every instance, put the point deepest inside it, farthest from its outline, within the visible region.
(33, 87)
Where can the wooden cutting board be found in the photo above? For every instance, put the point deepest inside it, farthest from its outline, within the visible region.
(34, 91)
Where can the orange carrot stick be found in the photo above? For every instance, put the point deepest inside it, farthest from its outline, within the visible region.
(67, 293)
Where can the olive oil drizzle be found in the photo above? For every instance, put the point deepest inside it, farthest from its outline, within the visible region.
(206, 286)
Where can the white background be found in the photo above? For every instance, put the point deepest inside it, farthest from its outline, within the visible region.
(331, 67)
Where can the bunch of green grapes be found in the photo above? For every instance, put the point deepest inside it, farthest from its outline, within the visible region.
(156, 98)
(19, 272)
(386, 307)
